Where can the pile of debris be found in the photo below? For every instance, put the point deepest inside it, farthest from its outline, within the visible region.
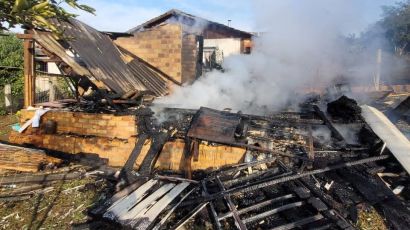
(307, 169)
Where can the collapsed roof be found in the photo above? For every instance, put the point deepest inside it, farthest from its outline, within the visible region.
(96, 56)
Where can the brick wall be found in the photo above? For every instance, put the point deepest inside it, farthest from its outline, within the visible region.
(96, 133)
(86, 124)
(189, 58)
(159, 46)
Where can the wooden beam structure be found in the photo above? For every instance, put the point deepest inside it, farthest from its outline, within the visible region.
(29, 73)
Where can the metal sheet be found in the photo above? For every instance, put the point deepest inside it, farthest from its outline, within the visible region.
(151, 79)
(100, 55)
(214, 125)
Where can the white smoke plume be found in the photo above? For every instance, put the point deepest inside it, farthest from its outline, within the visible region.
(302, 46)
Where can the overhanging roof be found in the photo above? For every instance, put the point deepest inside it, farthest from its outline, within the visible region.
(174, 12)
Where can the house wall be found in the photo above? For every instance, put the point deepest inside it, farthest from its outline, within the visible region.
(160, 46)
(229, 46)
(114, 137)
(189, 55)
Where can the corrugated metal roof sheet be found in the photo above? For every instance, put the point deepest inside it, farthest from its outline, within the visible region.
(152, 80)
(103, 60)
(47, 41)
(101, 56)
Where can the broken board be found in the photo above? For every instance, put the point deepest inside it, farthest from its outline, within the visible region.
(396, 142)
(24, 159)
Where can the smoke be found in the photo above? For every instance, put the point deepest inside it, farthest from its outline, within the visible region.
(303, 45)
(191, 25)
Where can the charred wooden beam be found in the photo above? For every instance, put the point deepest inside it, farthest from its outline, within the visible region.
(212, 211)
(329, 124)
(300, 222)
(165, 218)
(158, 142)
(129, 164)
(273, 211)
(257, 206)
(231, 206)
(256, 186)
(189, 216)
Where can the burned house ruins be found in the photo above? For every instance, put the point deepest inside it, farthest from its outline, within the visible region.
(305, 168)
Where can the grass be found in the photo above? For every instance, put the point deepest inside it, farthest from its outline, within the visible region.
(52, 210)
(369, 219)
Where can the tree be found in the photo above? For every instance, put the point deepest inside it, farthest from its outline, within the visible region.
(34, 13)
(396, 23)
(11, 62)
(11, 68)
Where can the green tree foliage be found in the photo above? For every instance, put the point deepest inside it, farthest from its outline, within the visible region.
(11, 62)
(11, 68)
(34, 13)
(396, 23)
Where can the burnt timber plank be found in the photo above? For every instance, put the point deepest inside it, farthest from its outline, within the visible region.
(299, 223)
(231, 206)
(329, 124)
(158, 142)
(258, 206)
(273, 211)
(191, 214)
(213, 125)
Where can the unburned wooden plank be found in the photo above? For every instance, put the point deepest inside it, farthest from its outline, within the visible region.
(145, 220)
(144, 203)
(123, 205)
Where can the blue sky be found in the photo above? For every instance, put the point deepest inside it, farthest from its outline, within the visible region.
(121, 15)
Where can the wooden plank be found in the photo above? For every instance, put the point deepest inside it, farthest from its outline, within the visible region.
(299, 223)
(212, 210)
(29, 82)
(165, 218)
(396, 142)
(191, 214)
(24, 36)
(238, 222)
(329, 124)
(145, 220)
(123, 205)
(257, 206)
(273, 211)
(145, 203)
(24, 159)
(18, 179)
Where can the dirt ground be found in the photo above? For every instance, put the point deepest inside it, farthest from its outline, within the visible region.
(5, 125)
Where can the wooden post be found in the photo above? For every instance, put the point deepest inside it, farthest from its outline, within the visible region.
(378, 67)
(29, 73)
(7, 95)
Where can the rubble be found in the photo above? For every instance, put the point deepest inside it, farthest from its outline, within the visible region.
(296, 170)
(345, 109)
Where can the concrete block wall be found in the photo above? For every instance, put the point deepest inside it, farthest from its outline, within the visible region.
(189, 58)
(95, 133)
(87, 124)
(159, 46)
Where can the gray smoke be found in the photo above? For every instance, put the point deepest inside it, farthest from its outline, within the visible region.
(302, 46)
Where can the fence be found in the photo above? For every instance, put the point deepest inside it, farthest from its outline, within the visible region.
(52, 87)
